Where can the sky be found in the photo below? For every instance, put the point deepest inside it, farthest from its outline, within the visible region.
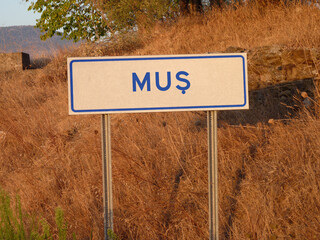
(15, 13)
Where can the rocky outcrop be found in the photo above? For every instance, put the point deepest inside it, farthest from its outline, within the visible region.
(272, 65)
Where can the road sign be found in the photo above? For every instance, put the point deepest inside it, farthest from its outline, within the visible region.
(157, 83)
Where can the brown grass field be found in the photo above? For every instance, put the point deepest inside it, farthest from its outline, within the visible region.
(269, 174)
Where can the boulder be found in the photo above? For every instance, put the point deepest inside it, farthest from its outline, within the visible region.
(271, 65)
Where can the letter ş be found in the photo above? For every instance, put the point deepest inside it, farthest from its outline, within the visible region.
(180, 76)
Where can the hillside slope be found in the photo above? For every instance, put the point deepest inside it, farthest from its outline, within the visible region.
(269, 173)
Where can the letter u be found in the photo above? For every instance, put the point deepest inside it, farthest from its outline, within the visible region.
(168, 82)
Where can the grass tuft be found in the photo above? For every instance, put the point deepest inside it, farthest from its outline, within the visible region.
(16, 225)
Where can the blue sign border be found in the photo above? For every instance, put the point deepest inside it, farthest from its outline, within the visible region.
(156, 108)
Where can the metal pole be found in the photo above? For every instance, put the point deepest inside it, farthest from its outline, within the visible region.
(107, 174)
(213, 175)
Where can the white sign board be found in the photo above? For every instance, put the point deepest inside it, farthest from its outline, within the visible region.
(157, 83)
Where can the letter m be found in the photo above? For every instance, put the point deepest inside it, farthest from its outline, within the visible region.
(141, 85)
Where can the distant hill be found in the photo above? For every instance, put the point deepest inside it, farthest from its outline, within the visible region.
(27, 39)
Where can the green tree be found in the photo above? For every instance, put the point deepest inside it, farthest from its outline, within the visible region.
(77, 19)
(93, 19)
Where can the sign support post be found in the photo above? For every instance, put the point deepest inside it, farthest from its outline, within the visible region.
(213, 174)
(107, 174)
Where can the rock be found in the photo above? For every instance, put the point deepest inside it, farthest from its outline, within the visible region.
(272, 65)
(304, 94)
(235, 50)
(271, 121)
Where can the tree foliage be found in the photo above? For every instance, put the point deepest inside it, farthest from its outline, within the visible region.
(127, 14)
(93, 19)
(77, 19)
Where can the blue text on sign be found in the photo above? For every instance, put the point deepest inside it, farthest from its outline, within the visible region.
(180, 76)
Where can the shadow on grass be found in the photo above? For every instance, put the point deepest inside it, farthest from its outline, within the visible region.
(279, 102)
(38, 63)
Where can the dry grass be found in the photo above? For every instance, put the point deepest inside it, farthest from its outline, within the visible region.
(268, 174)
(246, 26)
(282, 183)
